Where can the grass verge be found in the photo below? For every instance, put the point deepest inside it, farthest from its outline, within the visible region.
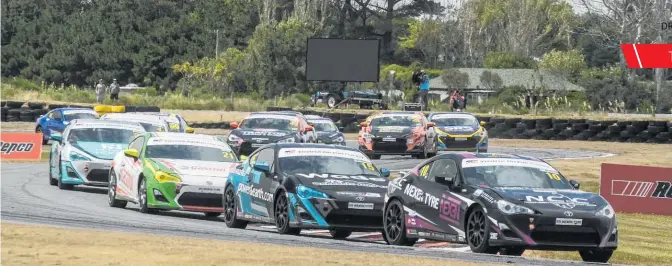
(43, 245)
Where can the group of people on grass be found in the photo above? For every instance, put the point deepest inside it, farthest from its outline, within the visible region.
(421, 79)
(102, 90)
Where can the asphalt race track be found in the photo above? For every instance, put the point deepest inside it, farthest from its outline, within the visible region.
(27, 197)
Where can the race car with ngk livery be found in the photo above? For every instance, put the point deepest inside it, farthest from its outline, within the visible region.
(262, 128)
(297, 186)
(83, 153)
(326, 130)
(398, 133)
(498, 203)
(172, 171)
(458, 131)
(151, 123)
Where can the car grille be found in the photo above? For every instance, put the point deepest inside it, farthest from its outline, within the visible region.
(579, 235)
(387, 146)
(98, 175)
(353, 220)
(246, 148)
(200, 199)
(463, 144)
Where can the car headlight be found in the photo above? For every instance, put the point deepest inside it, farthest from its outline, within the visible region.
(510, 208)
(339, 139)
(76, 156)
(233, 138)
(163, 177)
(305, 192)
(607, 211)
(289, 140)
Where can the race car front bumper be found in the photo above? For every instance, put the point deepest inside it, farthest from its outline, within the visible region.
(541, 233)
(92, 173)
(185, 197)
(392, 146)
(474, 143)
(319, 213)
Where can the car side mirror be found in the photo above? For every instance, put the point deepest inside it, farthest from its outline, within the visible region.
(385, 172)
(309, 128)
(363, 124)
(482, 123)
(233, 125)
(133, 153)
(575, 184)
(431, 124)
(190, 130)
(262, 166)
(446, 180)
(56, 137)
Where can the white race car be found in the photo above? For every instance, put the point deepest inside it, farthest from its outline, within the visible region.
(172, 171)
(82, 155)
(151, 123)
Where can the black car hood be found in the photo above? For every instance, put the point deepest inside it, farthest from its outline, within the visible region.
(395, 132)
(261, 134)
(345, 186)
(328, 136)
(548, 200)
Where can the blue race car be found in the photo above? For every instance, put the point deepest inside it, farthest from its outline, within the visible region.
(300, 185)
(459, 131)
(56, 120)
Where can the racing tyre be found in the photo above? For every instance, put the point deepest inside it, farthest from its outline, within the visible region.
(213, 214)
(112, 192)
(52, 180)
(142, 197)
(596, 255)
(230, 213)
(340, 234)
(281, 214)
(38, 129)
(394, 224)
(478, 232)
(332, 101)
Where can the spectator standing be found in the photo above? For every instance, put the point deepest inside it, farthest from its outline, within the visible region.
(114, 90)
(424, 89)
(101, 91)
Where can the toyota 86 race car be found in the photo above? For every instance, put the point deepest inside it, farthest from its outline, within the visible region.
(296, 186)
(57, 119)
(83, 153)
(398, 133)
(326, 130)
(176, 123)
(151, 123)
(459, 132)
(262, 128)
(498, 204)
(172, 171)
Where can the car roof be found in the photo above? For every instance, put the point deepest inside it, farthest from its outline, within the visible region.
(141, 117)
(313, 145)
(314, 117)
(182, 135)
(447, 113)
(72, 108)
(103, 122)
(459, 156)
(153, 113)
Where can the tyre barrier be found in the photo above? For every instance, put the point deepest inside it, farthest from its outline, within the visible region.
(536, 129)
(15, 111)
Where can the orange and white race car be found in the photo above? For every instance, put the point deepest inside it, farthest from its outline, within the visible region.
(398, 133)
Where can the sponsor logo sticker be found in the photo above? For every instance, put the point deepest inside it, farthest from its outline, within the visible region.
(360, 206)
(20, 146)
(568, 221)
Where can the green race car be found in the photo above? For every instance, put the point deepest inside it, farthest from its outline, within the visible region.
(172, 171)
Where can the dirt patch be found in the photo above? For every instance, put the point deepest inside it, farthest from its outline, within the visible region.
(43, 245)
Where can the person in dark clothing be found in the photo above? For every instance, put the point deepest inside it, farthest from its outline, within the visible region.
(114, 90)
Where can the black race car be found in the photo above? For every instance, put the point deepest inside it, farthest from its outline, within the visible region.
(498, 203)
(398, 133)
(261, 128)
(326, 130)
(297, 186)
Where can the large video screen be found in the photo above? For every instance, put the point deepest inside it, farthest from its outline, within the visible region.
(343, 60)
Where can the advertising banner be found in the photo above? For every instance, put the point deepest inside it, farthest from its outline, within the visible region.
(637, 189)
(21, 146)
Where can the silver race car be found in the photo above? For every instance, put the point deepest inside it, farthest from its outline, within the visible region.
(151, 123)
(82, 155)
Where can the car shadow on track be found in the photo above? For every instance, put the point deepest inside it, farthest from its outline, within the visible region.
(90, 189)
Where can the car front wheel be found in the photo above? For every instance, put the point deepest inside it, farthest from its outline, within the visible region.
(394, 224)
(112, 192)
(142, 197)
(478, 232)
(230, 213)
(282, 216)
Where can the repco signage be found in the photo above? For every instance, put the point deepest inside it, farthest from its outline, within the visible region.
(20, 146)
(637, 189)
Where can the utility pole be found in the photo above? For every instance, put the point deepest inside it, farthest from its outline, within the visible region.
(217, 44)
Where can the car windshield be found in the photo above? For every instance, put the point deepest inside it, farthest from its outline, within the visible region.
(284, 124)
(107, 135)
(515, 176)
(326, 165)
(190, 152)
(324, 126)
(73, 116)
(444, 121)
(396, 121)
(151, 127)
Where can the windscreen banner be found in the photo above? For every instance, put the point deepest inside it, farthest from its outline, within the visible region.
(637, 189)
